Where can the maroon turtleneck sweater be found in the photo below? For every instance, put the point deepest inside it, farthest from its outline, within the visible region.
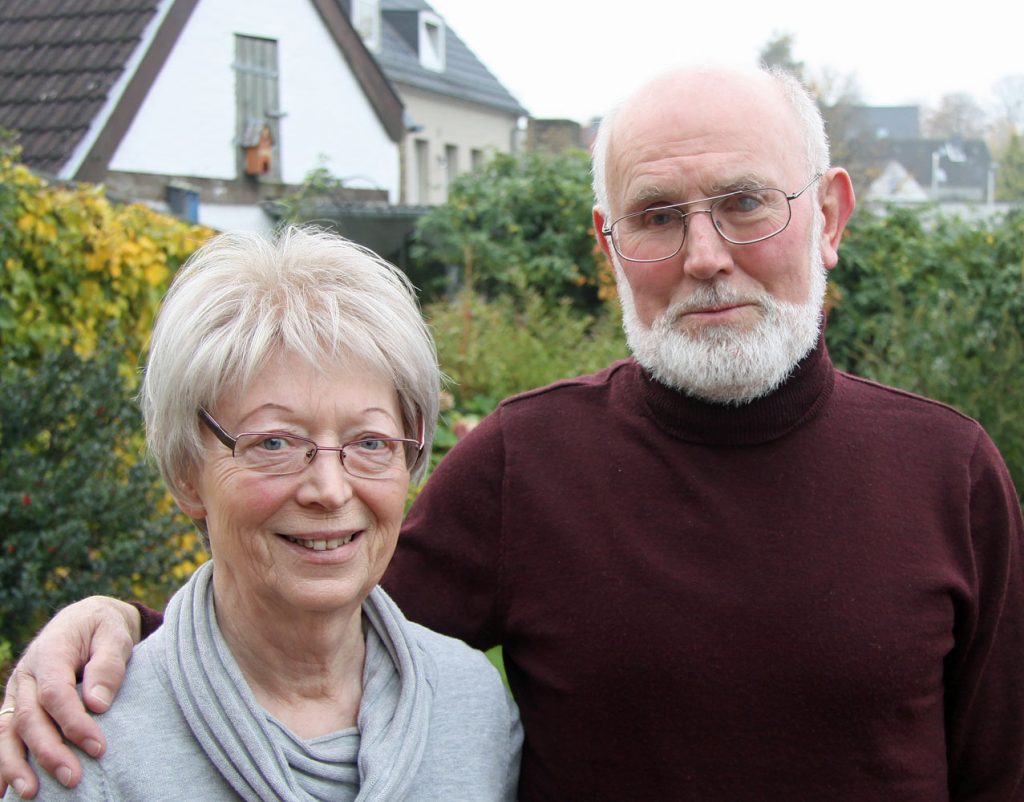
(816, 596)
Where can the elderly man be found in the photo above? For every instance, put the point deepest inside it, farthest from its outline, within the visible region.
(723, 570)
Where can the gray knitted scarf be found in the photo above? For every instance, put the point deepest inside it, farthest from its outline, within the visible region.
(237, 734)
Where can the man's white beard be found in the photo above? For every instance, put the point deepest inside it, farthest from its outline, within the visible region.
(723, 364)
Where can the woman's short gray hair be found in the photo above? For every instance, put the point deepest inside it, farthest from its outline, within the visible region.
(243, 298)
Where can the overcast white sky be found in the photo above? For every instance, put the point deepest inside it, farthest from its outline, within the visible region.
(575, 58)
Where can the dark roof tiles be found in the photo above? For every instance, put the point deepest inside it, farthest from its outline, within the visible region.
(58, 61)
(465, 77)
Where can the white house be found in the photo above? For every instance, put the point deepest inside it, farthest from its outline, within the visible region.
(457, 113)
(209, 108)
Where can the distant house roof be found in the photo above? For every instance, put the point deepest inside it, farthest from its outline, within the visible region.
(884, 122)
(464, 77)
(73, 74)
(955, 168)
(896, 184)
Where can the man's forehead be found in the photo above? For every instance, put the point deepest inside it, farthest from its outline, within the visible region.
(680, 133)
(644, 189)
(691, 104)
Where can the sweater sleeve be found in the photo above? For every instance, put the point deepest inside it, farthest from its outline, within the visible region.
(984, 675)
(151, 620)
(446, 572)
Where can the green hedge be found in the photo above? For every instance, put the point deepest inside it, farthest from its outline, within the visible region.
(935, 305)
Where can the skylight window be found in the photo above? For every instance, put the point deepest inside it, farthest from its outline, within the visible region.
(366, 20)
(432, 47)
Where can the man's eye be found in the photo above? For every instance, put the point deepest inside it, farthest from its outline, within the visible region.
(744, 203)
(659, 218)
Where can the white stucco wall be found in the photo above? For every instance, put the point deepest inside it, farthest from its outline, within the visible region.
(447, 121)
(227, 217)
(186, 125)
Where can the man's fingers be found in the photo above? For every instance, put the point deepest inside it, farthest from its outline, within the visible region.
(60, 702)
(95, 635)
(103, 675)
(109, 652)
(14, 769)
(107, 645)
(36, 730)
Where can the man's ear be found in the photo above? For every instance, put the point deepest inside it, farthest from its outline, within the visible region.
(837, 204)
(602, 240)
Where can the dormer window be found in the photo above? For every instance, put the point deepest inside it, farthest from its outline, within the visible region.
(366, 21)
(431, 41)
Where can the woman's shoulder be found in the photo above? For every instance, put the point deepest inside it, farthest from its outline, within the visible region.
(453, 655)
(476, 734)
(462, 672)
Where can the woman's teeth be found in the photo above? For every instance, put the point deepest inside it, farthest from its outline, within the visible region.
(321, 545)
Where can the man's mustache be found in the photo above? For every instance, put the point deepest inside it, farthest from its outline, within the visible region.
(715, 295)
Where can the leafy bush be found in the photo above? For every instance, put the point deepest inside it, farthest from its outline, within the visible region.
(935, 305)
(519, 226)
(75, 267)
(494, 349)
(80, 511)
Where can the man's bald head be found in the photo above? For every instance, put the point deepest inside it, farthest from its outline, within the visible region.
(750, 92)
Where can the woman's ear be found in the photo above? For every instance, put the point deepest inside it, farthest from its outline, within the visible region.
(187, 496)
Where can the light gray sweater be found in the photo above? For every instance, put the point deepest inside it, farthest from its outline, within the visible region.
(461, 742)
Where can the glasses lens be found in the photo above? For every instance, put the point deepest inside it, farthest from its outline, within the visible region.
(376, 458)
(650, 235)
(752, 215)
(273, 453)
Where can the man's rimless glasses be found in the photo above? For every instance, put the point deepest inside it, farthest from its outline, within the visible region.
(742, 218)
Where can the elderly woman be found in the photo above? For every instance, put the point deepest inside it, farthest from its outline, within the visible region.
(290, 395)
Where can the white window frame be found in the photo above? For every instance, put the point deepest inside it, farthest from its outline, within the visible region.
(366, 21)
(431, 41)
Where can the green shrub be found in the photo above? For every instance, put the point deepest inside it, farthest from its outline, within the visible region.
(935, 305)
(81, 512)
(518, 227)
(493, 349)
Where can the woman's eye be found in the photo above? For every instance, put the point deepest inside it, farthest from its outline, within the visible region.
(273, 443)
(371, 445)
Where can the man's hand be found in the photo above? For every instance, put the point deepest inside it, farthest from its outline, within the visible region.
(95, 635)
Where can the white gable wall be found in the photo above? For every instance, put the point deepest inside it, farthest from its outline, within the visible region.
(186, 125)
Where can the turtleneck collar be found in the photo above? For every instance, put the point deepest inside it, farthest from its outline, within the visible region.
(799, 398)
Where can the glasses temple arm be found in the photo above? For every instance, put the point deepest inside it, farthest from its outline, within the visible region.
(805, 187)
(218, 432)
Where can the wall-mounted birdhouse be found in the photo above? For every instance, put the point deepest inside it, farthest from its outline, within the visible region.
(258, 144)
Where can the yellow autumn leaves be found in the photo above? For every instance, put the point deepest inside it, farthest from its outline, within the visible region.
(77, 267)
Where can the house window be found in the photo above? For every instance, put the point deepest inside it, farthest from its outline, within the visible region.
(451, 166)
(476, 159)
(257, 106)
(422, 171)
(366, 20)
(431, 41)
(183, 201)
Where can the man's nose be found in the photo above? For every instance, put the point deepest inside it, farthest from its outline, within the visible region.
(705, 252)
